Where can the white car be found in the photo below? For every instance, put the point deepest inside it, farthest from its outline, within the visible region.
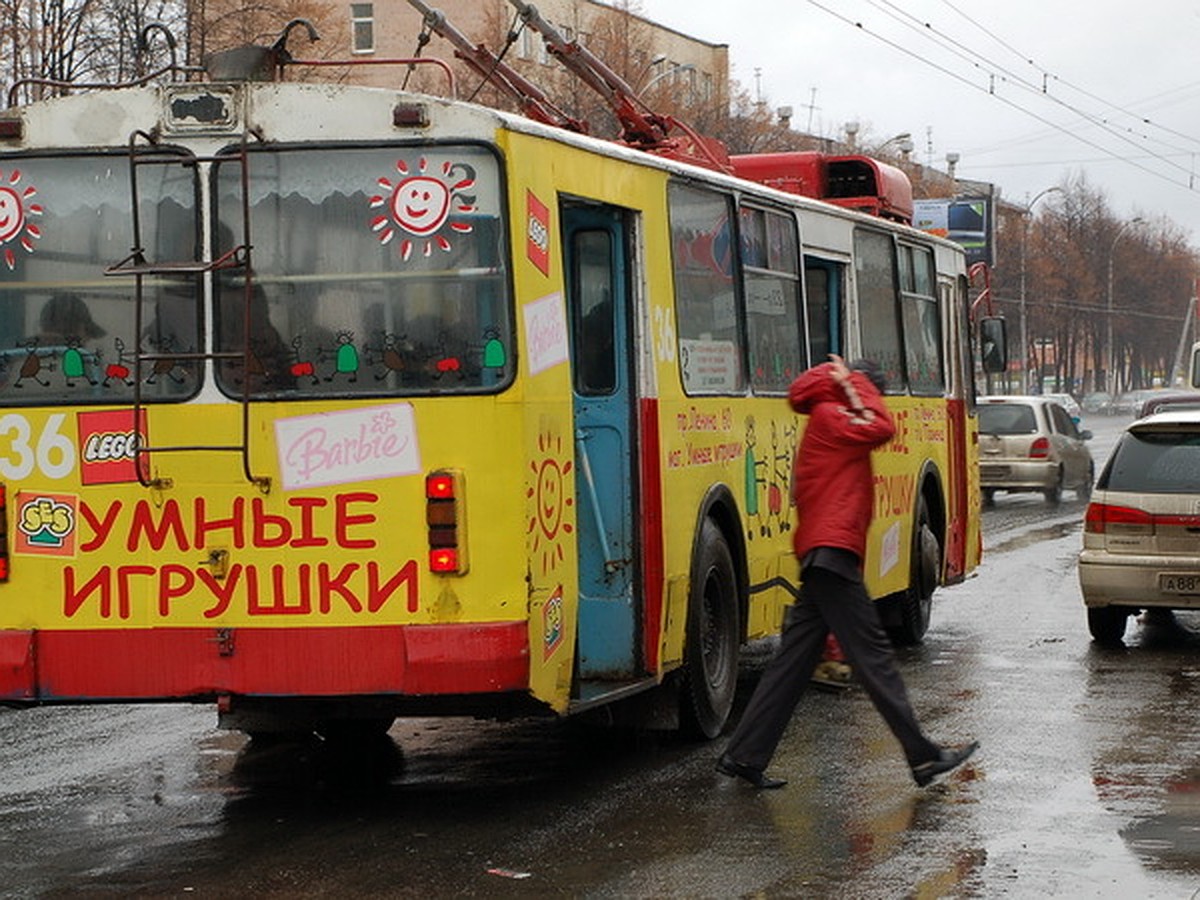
(1067, 402)
(1141, 535)
(1030, 443)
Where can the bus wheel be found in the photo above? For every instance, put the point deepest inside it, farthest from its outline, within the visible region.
(711, 653)
(354, 730)
(916, 603)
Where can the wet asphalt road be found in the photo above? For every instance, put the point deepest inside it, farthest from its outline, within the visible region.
(1087, 783)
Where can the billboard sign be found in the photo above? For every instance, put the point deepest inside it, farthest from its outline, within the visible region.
(966, 221)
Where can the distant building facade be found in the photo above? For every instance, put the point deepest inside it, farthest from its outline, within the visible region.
(647, 55)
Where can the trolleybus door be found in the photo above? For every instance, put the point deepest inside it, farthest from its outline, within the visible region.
(597, 279)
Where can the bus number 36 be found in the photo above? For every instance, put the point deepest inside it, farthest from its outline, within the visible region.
(664, 336)
(54, 454)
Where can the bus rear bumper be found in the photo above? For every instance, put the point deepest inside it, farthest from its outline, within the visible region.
(197, 663)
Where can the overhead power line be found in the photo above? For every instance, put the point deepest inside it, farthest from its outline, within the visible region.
(996, 73)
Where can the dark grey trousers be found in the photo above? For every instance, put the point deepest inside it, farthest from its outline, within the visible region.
(828, 602)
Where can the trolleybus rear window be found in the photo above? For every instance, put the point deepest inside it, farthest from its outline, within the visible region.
(68, 332)
(374, 271)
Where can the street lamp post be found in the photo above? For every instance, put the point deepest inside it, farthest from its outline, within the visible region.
(655, 60)
(1109, 373)
(1024, 322)
(686, 67)
(903, 142)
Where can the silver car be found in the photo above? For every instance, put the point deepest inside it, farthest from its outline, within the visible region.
(1141, 537)
(1032, 444)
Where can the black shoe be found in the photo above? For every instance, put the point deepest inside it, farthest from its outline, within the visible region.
(727, 766)
(948, 758)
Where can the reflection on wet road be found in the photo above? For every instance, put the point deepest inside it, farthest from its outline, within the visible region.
(1087, 783)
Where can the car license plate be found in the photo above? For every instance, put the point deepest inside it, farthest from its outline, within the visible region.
(1172, 583)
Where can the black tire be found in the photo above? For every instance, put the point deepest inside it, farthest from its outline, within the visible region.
(1054, 494)
(989, 496)
(916, 603)
(1084, 491)
(713, 637)
(1107, 624)
(355, 730)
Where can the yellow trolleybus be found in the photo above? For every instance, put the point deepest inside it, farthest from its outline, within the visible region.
(330, 404)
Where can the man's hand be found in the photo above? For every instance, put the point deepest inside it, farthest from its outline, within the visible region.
(841, 375)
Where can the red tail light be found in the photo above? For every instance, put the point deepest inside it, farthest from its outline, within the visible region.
(1040, 448)
(3, 533)
(446, 519)
(1100, 516)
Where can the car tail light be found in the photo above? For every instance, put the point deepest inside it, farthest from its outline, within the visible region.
(445, 516)
(1040, 448)
(1100, 517)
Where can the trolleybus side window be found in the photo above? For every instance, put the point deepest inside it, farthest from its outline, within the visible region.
(824, 288)
(921, 320)
(771, 286)
(594, 341)
(375, 271)
(874, 269)
(68, 333)
(710, 330)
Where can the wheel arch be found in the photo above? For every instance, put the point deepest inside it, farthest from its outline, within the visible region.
(931, 487)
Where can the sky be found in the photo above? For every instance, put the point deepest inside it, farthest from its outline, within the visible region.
(1029, 93)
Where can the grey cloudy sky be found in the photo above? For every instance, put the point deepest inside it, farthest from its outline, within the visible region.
(1027, 92)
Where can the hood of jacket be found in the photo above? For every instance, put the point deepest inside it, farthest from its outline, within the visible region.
(814, 386)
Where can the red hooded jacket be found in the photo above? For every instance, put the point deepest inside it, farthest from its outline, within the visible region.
(832, 478)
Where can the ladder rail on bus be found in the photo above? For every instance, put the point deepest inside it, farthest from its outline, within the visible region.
(144, 149)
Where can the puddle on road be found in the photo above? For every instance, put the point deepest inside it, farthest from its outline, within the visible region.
(1036, 536)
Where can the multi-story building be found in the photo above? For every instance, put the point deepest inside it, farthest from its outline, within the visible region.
(656, 61)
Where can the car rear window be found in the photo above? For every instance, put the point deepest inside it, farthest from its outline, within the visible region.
(1155, 462)
(1007, 418)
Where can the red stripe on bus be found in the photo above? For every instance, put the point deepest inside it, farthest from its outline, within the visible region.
(651, 538)
(958, 500)
(16, 665)
(165, 663)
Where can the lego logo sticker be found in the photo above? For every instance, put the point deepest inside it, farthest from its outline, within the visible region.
(46, 525)
(108, 446)
(537, 247)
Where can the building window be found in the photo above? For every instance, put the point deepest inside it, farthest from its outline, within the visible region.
(362, 27)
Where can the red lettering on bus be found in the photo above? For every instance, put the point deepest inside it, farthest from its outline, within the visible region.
(125, 574)
(235, 523)
(101, 528)
(272, 601)
(173, 581)
(222, 590)
(328, 585)
(378, 594)
(344, 520)
(277, 590)
(155, 533)
(74, 597)
(307, 505)
(262, 521)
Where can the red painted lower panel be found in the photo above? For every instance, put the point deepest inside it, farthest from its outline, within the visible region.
(188, 662)
(16, 665)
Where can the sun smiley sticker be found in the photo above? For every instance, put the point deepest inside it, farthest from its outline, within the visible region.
(15, 209)
(549, 494)
(422, 205)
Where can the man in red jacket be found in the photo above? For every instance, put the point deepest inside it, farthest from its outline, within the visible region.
(834, 492)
